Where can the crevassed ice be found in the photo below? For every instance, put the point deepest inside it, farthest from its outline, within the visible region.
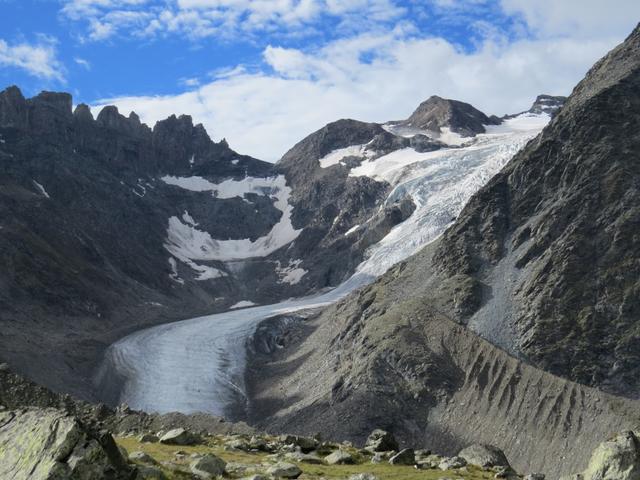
(198, 364)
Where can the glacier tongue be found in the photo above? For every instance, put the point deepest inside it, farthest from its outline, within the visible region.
(198, 364)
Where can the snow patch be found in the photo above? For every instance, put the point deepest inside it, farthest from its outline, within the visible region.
(204, 272)
(41, 188)
(141, 187)
(242, 304)
(292, 274)
(188, 219)
(184, 241)
(351, 230)
(235, 161)
(174, 271)
(336, 156)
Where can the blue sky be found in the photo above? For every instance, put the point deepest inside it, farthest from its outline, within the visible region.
(264, 73)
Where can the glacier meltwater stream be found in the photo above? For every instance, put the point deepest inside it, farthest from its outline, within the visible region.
(197, 365)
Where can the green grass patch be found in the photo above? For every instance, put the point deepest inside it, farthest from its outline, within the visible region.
(384, 471)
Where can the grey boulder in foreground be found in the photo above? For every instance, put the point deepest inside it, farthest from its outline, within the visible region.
(48, 444)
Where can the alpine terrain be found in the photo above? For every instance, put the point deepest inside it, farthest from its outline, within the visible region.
(453, 295)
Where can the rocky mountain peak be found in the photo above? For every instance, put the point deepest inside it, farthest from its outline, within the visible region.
(547, 104)
(83, 113)
(110, 117)
(58, 102)
(437, 113)
(13, 108)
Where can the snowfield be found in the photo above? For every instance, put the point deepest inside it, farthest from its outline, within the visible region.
(198, 364)
(188, 244)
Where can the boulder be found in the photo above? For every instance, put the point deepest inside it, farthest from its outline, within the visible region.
(44, 444)
(339, 457)
(404, 457)
(616, 459)
(284, 470)
(237, 444)
(207, 467)
(381, 441)
(306, 444)
(452, 463)
(258, 443)
(148, 438)
(363, 476)
(534, 476)
(146, 472)
(141, 457)
(484, 456)
(179, 436)
(303, 458)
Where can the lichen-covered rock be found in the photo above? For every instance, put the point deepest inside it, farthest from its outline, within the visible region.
(404, 457)
(484, 456)
(208, 466)
(452, 463)
(306, 444)
(179, 436)
(49, 444)
(284, 470)
(615, 459)
(303, 458)
(148, 438)
(146, 472)
(141, 457)
(363, 476)
(381, 441)
(339, 457)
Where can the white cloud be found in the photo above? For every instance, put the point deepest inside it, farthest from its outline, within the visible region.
(263, 114)
(224, 18)
(381, 73)
(38, 59)
(83, 63)
(576, 18)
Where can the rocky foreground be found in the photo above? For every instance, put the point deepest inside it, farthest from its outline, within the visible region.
(46, 436)
(52, 444)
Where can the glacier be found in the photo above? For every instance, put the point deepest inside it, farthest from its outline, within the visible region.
(197, 365)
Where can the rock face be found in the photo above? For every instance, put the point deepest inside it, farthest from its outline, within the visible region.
(541, 265)
(547, 253)
(46, 443)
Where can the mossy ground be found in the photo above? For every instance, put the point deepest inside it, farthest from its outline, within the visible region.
(166, 453)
